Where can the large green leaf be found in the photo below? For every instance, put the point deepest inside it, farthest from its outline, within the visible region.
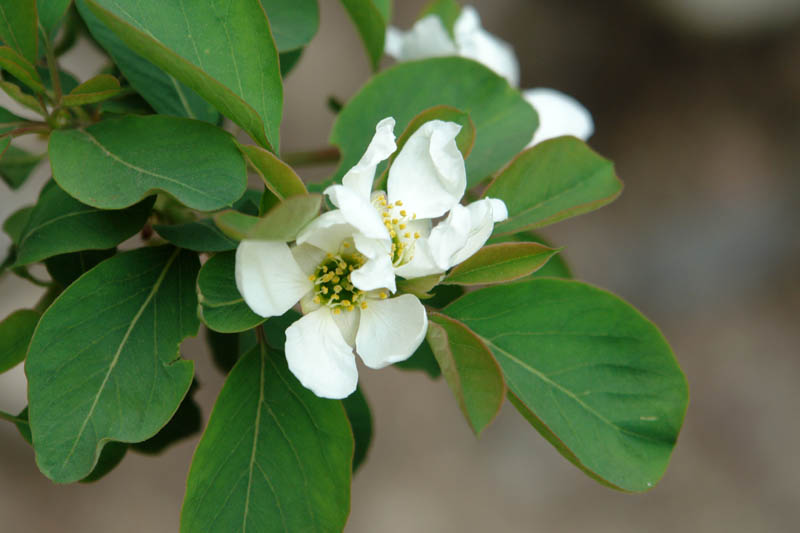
(16, 222)
(496, 263)
(104, 363)
(222, 308)
(101, 87)
(361, 423)
(22, 69)
(50, 14)
(504, 122)
(16, 331)
(164, 93)
(223, 49)
(60, 224)
(293, 22)
(18, 27)
(556, 267)
(469, 369)
(187, 421)
(589, 372)
(371, 26)
(66, 268)
(274, 456)
(554, 180)
(200, 236)
(116, 163)
(279, 177)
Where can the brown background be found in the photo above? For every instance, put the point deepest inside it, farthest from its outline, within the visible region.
(698, 103)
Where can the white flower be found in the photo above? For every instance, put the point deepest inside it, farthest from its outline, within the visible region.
(559, 114)
(338, 316)
(394, 229)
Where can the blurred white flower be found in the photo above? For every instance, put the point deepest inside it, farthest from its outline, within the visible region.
(559, 114)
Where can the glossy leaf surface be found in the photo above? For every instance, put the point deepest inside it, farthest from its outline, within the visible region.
(222, 308)
(498, 263)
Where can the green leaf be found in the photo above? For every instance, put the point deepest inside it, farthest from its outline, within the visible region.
(16, 165)
(164, 93)
(18, 27)
(200, 236)
(10, 121)
(419, 287)
(361, 423)
(16, 331)
(279, 177)
(187, 421)
(222, 308)
(447, 10)
(556, 267)
(293, 22)
(469, 369)
(274, 457)
(282, 223)
(50, 14)
(15, 224)
(465, 139)
(423, 359)
(21, 97)
(226, 348)
(110, 457)
(554, 180)
(504, 122)
(104, 363)
(66, 268)
(222, 50)
(21, 68)
(371, 26)
(289, 60)
(117, 162)
(589, 372)
(60, 224)
(101, 87)
(497, 263)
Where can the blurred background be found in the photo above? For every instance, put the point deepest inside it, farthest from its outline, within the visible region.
(698, 103)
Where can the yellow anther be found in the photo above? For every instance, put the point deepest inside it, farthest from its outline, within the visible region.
(402, 226)
(334, 296)
(350, 308)
(312, 277)
(329, 256)
(336, 279)
(383, 295)
(324, 289)
(416, 235)
(407, 235)
(395, 221)
(339, 271)
(398, 203)
(324, 268)
(337, 289)
(403, 213)
(392, 234)
(363, 305)
(316, 299)
(385, 214)
(346, 244)
(337, 310)
(346, 303)
(414, 216)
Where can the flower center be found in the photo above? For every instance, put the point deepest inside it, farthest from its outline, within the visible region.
(397, 222)
(332, 285)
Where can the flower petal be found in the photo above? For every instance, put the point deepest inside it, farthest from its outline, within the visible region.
(428, 174)
(450, 236)
(319, 356)
(376, 273)
(308, 257)
(499, 209)
(481, 214)
(358, 211)
(390, 330)
(427, 38)
(372, 248)
(475, 43)
(347, 322)
(268, 277)
(326, 232)
(359, 178)
(421, 263)
(559, 114)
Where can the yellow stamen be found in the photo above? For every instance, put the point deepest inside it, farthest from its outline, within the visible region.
(337, 310)
(407, 235)
(316, 299)
(312, 277)
(363, 305)
(416, 235)
(346, 244)
(395, 221)
(383, 295)
(402, 226)
(398, 203)
(403, 213)
(337, 289)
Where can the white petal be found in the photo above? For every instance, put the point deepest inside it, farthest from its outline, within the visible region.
(372, 248)
(376, 273)
(319, 356)
(421, 264)
(428, 174)
(268, 277)
(481, 225)
(499, 209)
(475, 43)
(359, 178)
(308, 257)
(427, 38)
(326, 232)
(307, 303)
(347, 322)
(559, 114)
(390, 330)
(450, 236)
(358, 211)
